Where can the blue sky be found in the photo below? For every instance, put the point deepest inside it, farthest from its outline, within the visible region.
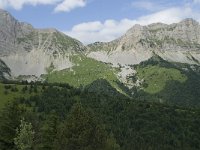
(99, 20)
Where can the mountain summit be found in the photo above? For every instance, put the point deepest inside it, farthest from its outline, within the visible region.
(29, 51)
(26, 51)
(178, 42)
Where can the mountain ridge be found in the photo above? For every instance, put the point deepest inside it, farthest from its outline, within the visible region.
(52, 56)
(34, 50)
(142, 41)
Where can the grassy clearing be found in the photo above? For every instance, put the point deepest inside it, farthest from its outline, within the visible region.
(155, 77)
(84, 72)
(9, 95)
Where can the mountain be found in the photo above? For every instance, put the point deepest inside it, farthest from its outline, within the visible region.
(48, 55)
(178, 42)
(157, 62)
(29, 51)
(140, 91)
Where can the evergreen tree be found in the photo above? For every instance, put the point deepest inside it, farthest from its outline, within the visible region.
(24, 89)
(112, 144)
(25, 135)
(48, 132)
(9, 121)
(80, 131)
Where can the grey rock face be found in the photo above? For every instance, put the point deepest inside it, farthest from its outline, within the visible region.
(176, 42)
(29, 51)
(4, 71)
(26, 51)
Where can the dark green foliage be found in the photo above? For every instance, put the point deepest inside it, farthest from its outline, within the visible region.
(156, 60)
(59, 100)
(6, 92)
(35, 89)
(102, 86)
(47, 132)
(9, 121)
(7, 87)
(14, 89)
(185, 94)
(67, 118)
(24, 89)
(80, 131)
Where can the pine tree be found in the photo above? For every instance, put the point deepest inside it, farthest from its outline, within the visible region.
(48, 132)
(81, 131)
(9, 121)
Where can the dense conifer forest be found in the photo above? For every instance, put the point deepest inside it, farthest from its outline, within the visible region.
(61, 117)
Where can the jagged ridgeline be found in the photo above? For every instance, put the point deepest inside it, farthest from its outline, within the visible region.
(140, 91)
(178, 42)
(29, 51)
(157, 62)
(47, 54)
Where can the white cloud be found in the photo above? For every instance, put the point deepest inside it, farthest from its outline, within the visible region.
(68, 5)
(100, 31)
(60, 5)
(89, 26)
(18, 4)
(168, 16)
(108, 30)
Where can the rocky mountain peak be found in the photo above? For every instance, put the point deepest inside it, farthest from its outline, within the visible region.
(185, 26)
(189, 22)
(5, 13)
(178, 42)
(34, 50)
(6, 19)
(185, 31)
(136, 29)
(155, 26)
(134, 34)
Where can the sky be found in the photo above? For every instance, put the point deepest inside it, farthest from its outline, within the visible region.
(99, 20)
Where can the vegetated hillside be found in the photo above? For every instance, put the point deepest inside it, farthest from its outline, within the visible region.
(84, 72)
(9, 91)
(103, 87)
(48, 55)
(69, 118)
(160, 112)
(166, 82)
(159, 81)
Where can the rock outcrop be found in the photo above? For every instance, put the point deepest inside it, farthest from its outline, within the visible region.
(178, 42)
(29, 51)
